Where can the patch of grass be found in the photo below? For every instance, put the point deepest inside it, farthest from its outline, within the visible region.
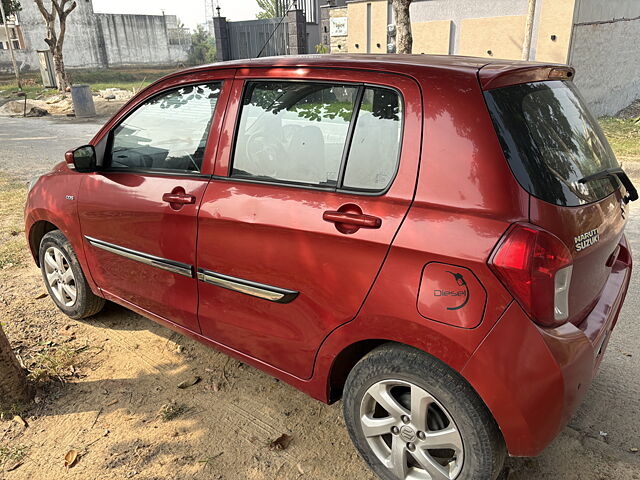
(13, 248)
(11, 253)
(624, 136)
(171, 411)
(12, 454)
(9, 411)
(56, 363)
(99, 79)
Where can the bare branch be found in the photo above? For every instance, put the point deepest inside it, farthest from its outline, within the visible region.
(45, 14)
(59, 6)
(70, 9)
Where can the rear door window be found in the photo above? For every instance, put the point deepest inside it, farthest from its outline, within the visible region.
(293, 132)
(323, 135)
(551, 141)
(375, 147)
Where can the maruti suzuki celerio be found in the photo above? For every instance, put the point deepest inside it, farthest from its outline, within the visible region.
(436, 240)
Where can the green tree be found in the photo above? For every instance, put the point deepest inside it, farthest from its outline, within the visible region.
(269, 9)
(203, 48)
(10, 7)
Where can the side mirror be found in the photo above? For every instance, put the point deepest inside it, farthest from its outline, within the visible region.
(82, 159)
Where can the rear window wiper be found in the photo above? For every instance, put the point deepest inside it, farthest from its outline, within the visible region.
(613, 174)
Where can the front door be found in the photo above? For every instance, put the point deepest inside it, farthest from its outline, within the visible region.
(306, 200)
(138, 214)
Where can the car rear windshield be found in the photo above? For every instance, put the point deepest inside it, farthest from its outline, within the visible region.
(551, 141)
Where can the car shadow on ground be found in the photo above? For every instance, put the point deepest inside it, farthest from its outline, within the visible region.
(579, 444)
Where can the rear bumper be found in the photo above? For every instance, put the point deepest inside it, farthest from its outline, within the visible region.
(533, 379)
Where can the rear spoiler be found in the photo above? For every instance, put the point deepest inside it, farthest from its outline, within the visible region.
(496, 75)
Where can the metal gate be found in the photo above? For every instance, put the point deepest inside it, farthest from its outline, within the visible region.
(247, 38)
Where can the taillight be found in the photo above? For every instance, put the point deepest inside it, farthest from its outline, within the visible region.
(535, 266)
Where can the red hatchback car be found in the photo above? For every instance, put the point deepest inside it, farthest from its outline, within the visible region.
(437, 240)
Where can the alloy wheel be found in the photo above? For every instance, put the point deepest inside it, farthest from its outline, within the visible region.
(60, 276)
(410, 432)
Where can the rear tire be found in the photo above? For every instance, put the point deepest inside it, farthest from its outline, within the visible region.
(64, 279)
(412, 417)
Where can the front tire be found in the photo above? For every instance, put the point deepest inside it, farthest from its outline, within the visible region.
(64, 279)
(411, 417)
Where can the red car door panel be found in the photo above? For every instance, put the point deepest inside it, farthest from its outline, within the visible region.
(322, 247)
(126, 211)
(140, 226)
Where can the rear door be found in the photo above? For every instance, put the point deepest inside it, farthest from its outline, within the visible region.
(552, 144)
(316, 178)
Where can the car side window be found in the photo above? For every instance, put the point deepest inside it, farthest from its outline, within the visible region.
(293, 132)
(319, 134)
(167, 132)
(375, 147)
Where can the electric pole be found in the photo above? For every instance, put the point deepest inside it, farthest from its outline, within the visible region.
(10, 43)
(528, 32)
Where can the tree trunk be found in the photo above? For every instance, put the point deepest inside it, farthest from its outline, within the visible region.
(59, 9)
(404, 40)
(61, 75)
(14, 389)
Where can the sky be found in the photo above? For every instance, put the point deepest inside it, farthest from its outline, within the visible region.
(191, 12)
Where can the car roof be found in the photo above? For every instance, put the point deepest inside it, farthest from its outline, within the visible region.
(373, 62)
(492, 73)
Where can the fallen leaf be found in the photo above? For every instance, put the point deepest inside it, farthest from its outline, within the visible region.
(20, 420)
(112, 402)
(15, 466)
(41, 296)
(627, 354)
(189, 383)
(71, 458)
(281, 443)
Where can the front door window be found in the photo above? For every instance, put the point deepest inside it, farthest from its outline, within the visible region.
(168, 132)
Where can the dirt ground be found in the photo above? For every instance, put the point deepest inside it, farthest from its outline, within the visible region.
(106, 102)
(108, 389)
(108, 404)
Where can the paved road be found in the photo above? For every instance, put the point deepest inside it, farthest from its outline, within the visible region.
(31, 146)
(598, 441)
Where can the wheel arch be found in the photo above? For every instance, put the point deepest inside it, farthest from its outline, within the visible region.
(350, 355)
(344, 363)
(353, 353)
(37, 231)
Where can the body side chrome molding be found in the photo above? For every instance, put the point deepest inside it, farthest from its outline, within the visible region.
(163, 263)
(255, 289)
